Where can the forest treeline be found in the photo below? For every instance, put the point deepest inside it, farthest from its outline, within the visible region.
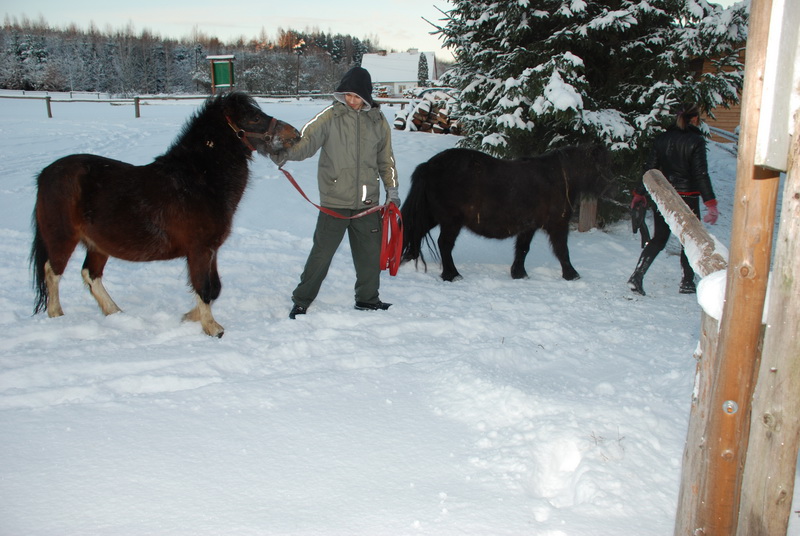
(36, 56)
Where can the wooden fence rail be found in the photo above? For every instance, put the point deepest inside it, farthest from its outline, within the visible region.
(138, 100)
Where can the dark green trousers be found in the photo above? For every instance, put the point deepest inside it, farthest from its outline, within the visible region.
(365, 243)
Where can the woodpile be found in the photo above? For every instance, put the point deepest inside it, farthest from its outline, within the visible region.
(430, 111)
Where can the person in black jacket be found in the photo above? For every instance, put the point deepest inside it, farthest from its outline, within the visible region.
(680, 154)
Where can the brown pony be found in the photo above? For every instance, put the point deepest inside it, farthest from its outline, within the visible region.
(179, 205)
(500, 199)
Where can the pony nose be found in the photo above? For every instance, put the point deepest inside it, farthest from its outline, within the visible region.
(290, 136)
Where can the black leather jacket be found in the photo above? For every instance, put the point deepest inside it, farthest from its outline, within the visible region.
(681, 156)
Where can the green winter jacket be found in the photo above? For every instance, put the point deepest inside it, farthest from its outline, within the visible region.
(350, 171)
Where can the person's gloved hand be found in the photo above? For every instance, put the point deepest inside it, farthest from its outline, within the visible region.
(712, 213)
(638, 200)
(280, 158)
(392, 196)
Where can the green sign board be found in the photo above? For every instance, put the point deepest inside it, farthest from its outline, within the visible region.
(221, 72)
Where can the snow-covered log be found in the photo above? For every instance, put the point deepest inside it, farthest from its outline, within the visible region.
(706, 254)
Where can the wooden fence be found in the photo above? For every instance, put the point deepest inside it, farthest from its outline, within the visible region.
(137, 101)
(741, 450)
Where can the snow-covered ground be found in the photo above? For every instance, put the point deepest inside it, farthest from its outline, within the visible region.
(488, 406)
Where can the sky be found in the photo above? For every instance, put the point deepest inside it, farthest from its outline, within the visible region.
(397, 24)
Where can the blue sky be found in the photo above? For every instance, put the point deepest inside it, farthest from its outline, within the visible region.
(397, 24)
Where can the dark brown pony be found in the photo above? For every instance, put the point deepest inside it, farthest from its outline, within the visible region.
(499, 199)
(180, 205)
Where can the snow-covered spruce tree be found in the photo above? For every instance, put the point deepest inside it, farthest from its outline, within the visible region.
(422, 71)
(538, 74)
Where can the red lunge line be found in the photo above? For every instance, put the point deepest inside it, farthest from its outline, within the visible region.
(392, 239)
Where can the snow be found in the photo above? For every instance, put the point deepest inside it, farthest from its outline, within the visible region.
(711, 294)
(558, 95)
(486, 406)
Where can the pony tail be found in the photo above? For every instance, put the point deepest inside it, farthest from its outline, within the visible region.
(37, 260)
(417, 222)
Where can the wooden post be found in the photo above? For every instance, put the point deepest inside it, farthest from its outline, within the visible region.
(47, 103)
(136, 107)
(734, 374)
(587, 218)
(716, 448)
(701, 250)
(769, 475)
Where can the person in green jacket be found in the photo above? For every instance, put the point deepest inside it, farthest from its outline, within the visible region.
(356, 156)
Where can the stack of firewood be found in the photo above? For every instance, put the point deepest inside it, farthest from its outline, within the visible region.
(430, 113)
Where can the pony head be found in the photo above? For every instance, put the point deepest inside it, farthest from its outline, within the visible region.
(257, 130)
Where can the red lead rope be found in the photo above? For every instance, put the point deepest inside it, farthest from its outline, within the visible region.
(392, 242)
(392, 239)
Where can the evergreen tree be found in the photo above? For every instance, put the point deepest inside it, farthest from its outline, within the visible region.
(14, 72)
(159, 62)
(422, 71)
(538, 74)
(359, 49)
(126, 64)
(337, 50)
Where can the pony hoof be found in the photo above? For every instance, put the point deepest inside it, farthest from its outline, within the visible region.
(572, 277)
(453, 278)
(214, 331)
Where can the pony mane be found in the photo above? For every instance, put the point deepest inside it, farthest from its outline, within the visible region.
(209, 124)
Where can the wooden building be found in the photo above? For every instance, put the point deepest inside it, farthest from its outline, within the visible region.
(724, 118)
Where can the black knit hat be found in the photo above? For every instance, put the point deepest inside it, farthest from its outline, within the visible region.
(357, 80)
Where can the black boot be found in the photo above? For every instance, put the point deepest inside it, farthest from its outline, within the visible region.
(635, 281)
(297, 310)
(377, 306)
(687, 283)
(687, 287)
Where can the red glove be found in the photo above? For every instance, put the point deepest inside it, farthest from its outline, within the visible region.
(638, 200)
(711, 213)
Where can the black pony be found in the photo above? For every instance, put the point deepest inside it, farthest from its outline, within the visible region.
(499, 199)
(180, 205)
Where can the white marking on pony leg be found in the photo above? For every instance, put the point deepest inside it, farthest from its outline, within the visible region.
(53, 301)
(202, 313)
(100, 294)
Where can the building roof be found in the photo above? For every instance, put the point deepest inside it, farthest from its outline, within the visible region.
(397, 66)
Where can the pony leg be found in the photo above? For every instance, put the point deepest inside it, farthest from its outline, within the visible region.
(205, 280)
(446, 242)
(521, 249)
(52, 247)
(202, 313)
(53, 301)
(92, 273)
(100, 293)
(558, 241)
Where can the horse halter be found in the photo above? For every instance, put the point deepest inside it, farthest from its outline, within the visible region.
(242, 134)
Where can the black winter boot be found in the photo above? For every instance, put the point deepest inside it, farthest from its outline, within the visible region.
(635, 281)
(687, 285)
(687, 282)
(297, 310)
(366, 306)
